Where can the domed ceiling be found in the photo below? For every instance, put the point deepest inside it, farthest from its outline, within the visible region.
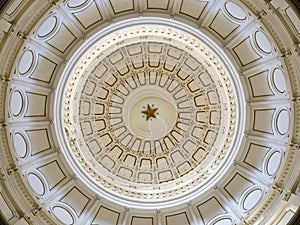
(153, 112)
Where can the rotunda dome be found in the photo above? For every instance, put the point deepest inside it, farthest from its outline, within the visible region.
(149, 112)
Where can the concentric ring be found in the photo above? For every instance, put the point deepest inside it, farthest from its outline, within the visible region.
(101, 135)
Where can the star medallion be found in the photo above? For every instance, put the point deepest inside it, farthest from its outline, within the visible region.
(150, 112)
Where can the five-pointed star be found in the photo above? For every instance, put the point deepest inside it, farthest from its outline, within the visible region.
(150, 112)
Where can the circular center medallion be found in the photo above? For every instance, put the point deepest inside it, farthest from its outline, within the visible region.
(150, 113)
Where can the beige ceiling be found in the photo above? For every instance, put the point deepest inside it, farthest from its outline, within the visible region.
(153, 112)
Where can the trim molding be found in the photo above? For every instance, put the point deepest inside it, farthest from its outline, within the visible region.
(2, 5)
